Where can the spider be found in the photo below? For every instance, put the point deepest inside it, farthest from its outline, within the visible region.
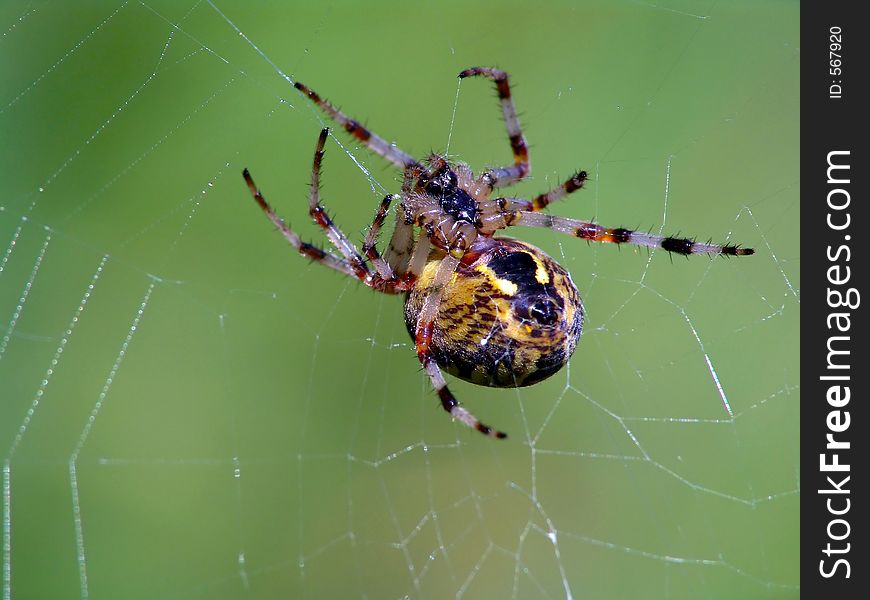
(492, 311)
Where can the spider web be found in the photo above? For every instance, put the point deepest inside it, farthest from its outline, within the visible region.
(190, 411)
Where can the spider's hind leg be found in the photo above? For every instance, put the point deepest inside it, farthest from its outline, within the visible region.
(319, 215)
(351, 261)
(304, 248)
(451, 405)
(423, 341)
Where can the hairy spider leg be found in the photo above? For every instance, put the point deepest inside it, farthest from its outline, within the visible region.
(593, 232)
(571, 185)
(304, 248)
(419, 257)
(521, 168)
(401, 245)
(375, 143)
(423, 340)
(352, 264)
(318, 213)
(541, 201)
(369, 246)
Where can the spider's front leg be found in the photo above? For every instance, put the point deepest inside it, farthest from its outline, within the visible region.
(375, 143)
(423, 340)
(521, 168)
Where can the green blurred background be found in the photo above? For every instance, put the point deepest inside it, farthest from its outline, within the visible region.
(189, 410)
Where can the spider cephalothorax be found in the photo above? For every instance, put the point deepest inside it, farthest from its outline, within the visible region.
(492, 311)
(445, 201)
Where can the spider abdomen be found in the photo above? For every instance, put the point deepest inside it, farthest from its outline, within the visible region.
(509, 317)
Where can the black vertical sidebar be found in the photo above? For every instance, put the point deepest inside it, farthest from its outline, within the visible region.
(835, 111)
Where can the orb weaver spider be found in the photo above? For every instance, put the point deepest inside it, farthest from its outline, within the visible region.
(492, 311)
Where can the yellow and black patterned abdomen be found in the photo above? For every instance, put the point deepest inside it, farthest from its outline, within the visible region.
(510, 316)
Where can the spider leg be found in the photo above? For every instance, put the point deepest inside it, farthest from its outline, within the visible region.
(352, 262)
(401, 244)
(571, 185)
(375, 143)
(596, 233)
(420, 256)
(452, 406)
(369, 247)
(505, 176)
(304, 248)
(496, 210)
(317, 212)
(423, 340)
